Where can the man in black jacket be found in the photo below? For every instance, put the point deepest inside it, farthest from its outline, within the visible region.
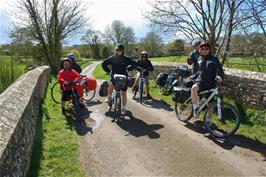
(145, 64)
(74, 65)
(119, 64)
(210, 70)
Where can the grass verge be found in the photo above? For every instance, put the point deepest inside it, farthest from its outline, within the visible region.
(99, 73)
(55, 150)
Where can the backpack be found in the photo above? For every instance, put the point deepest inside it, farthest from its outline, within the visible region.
(181, 94)
(103, 92)
(161, 79)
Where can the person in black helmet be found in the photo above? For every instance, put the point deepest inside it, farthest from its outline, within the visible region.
(119, 64)
(194, 57)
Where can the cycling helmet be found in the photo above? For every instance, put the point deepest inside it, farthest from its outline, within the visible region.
(196, 42)
(71, 56)
(205, 43)
(119, 47)
(144, 53)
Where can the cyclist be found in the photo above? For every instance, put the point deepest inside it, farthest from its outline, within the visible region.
(119, 65)
(74, 65)
(194, 57)
(66, 77)
(145, 64)
(210, 70)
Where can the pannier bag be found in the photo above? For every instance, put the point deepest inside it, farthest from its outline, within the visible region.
(171, 77)
(120, 81)
(91, 83)
(161, 79)
(183, 71)
(103, 92)
(181, 94)
(131, 81)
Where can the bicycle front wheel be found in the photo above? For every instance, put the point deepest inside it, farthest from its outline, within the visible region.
(183, 111)
(56, 92)
(224, 125)
(141, 87)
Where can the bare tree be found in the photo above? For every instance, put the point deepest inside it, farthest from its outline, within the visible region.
(152, 43)
(93, 39)
(119, 33)
(209, 20)
(51, 22)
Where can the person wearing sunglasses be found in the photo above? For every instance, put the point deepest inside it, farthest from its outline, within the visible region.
(145, 64)
(194, 57)
(209, 71)
(118, 64)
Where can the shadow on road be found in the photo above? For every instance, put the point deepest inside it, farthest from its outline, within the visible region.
(135, 126)
(73, 123)
(93, 103)
(156, 104)
(229, 143)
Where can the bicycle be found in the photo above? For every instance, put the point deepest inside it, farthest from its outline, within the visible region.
(140, 87)
(88, 93)
(175, 77)
(116, 102)
(221, 119)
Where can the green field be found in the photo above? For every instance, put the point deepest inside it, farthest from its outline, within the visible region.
(253, 121)
(10, 70)
(249, 64)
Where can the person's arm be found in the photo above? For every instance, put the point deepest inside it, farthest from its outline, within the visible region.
(190, 59)
(220, 71)
(60, 78)
(105, 65)
(150, 67)
(76, 76)
(131, 64)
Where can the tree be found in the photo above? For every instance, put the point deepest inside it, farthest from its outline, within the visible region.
(177, 46)
(93, 39)
(152, 42)
(119, 33)
(51, 22)
(209, 20)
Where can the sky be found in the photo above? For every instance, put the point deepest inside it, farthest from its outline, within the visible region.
(101, 13)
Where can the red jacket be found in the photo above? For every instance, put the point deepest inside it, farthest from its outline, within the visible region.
(69, 76)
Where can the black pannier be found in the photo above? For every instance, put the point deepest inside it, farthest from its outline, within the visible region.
(181, 94)
(103, 92)
(161, 79)
(182, 70)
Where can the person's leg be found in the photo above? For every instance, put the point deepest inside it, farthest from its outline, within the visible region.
(124, 101)
(110, 92)
(147, 87)
(137, 76)
(194, 98)
(65, 95)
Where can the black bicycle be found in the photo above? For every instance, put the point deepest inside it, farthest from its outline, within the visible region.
(220, 118)
(175, 77)
(116, 102)
(140, 87)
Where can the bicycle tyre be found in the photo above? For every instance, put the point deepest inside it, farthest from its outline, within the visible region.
(183, 111)
(230, 117)
(85, 94)
(163, 90)
(55, 94)
(141, 87)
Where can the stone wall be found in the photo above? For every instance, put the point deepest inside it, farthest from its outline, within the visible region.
(19, 109)
(248, 88)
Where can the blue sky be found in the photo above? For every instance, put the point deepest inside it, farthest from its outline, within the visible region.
(101, 13)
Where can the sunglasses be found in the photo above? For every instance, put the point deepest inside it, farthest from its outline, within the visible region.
(205, 48)
(119, 50)
(144, 56)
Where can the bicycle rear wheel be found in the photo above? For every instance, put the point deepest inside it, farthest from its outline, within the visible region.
(56, 92)
(88, 95)
(183, 111)
(118, 105)
(225, 126)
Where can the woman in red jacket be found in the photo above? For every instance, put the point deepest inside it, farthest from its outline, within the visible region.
(67, 77)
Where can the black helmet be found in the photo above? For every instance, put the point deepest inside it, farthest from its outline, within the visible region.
(119, 47)
(205, 43)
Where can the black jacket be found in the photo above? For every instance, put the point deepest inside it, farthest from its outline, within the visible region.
(119, 65)
(209, 68)
(76, 67)
(145, 64)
